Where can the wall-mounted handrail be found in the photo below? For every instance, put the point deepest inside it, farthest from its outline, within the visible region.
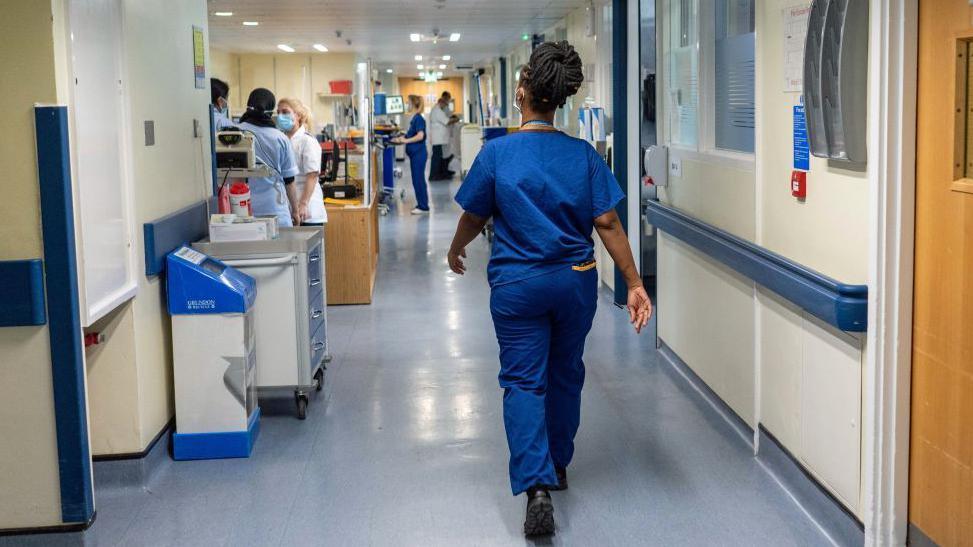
(22, 301)
(166, 234)
(842, 305)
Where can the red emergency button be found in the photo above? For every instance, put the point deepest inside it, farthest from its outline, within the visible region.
(799, 184)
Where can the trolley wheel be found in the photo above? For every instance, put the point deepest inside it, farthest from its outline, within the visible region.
(301, 400)
(319, 380)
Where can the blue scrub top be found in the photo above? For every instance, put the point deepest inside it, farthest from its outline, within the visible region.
(417, 124)
(267, 194)
(543, 189)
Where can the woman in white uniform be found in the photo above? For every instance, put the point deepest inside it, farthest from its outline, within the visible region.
(277, 194)
(294, 119)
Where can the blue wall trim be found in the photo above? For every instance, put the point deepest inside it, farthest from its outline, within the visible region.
(842, 305)
(620, 124)
(22, 293)
(57, 222)
(224, 444)
(168, 233)
(503, 88)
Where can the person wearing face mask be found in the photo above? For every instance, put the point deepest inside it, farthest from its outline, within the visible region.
(294, 119)
(277, 194)
(546, 192)
(220, 97)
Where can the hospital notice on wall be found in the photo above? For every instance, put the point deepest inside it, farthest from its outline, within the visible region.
(199, 57)
(795, 31)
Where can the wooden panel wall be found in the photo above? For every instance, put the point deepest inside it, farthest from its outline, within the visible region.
(431, 92)
(941, 476)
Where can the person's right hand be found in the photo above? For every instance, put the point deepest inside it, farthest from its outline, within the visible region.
(639, 308)
(455, 259)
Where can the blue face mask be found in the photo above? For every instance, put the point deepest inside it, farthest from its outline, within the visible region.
(285, 122)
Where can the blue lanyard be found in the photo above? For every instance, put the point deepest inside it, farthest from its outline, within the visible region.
(538, 122)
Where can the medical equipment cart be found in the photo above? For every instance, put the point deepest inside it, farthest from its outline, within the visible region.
(214, 357)
(290, 317)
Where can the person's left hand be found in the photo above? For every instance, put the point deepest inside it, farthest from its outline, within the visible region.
(455, 259)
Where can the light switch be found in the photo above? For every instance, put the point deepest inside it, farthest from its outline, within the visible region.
(675, 167)
(149, 133)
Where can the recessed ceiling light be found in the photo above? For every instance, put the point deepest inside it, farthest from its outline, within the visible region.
(454, 37)
(415, 37)
(418, 57)
(420, 67)
(285, 47)
(320, 47)
(389, 70)
(446, 57)
(250, 23)
(442, 67)
(224, 14)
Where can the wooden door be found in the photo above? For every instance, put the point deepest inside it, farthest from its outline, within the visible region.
(941, 468)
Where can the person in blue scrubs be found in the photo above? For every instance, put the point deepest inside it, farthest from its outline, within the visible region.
(546, 192)
(277, 194)
(220, 97)
(415, 147)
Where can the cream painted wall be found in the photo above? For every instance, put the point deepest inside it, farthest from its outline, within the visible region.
(706, 318)
(130, 374)
(304, 76)
(807, 375)
(811, 381)
(29, 478)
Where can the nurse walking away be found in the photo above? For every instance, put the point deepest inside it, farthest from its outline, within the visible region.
(546, 192)
(294, 119)
(415, 147)
(274, 195)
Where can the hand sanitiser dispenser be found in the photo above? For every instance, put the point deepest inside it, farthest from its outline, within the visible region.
(214, 357)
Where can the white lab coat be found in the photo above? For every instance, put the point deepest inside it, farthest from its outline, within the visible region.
(438, 126)
(307, 153)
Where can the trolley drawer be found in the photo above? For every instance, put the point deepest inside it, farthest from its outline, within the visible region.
(318, 345)
(314, 265)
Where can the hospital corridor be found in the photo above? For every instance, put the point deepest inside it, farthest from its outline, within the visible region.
(486, 272)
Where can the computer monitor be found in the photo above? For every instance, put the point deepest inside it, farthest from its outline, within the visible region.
(394, 104)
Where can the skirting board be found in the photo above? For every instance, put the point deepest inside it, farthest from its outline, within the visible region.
(134, 470)
(822, 508)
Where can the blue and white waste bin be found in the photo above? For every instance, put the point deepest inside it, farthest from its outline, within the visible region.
(214, 357)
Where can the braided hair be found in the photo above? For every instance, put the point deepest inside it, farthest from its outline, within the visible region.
(553, 74)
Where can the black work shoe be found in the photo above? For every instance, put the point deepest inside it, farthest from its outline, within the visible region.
(540, 512)
(562, 479)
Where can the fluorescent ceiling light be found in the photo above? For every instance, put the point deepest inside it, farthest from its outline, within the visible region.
(415, 37)
(250, 23)
(285, 47)
(420, 67)
(446, 57)
(442, 67)
(439, 74)
(224, 14)
(320, 47)
(389, 70)
(418, 57)
(454, 37)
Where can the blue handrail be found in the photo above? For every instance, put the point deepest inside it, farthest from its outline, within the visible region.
(164, 235)
(842, 305)
(22, 301)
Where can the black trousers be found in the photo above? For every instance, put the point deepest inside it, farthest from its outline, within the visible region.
(438, 166)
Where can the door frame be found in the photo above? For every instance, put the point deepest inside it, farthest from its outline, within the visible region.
(886, 392)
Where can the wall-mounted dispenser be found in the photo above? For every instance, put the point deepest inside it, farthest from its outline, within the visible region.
(836, 79)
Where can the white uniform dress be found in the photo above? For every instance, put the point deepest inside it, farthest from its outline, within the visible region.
(307, 153)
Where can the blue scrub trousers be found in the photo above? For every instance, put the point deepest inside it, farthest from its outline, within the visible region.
(541, 324)
(417, 166)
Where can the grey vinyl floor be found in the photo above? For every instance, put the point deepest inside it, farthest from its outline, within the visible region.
(405, 445)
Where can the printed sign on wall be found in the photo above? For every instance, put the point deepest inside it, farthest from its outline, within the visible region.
(199, 57)
(802, 148)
